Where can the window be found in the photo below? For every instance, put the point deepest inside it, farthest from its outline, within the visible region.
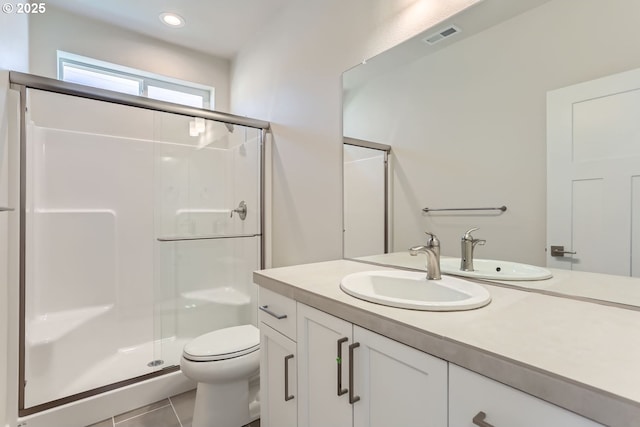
(91, 72)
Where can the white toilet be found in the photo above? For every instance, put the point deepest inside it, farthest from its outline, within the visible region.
(223, 362)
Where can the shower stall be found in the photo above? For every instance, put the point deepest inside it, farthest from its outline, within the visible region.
(140, 225)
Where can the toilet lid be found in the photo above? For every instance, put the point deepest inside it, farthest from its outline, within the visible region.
(224, 343)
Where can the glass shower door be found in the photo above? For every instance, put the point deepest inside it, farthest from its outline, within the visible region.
(208, 236)
(88, 246)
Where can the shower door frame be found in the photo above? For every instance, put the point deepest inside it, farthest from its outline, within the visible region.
(20, 82)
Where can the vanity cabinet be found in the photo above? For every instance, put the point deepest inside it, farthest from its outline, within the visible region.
(318, 370)
(349, 376)
(475, 400)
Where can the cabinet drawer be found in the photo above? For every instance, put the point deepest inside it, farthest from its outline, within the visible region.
(503, 406)
(277, 311)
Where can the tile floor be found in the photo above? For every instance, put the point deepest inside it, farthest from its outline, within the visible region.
(175, 411)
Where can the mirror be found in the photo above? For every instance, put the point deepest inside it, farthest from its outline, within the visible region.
(464, 107)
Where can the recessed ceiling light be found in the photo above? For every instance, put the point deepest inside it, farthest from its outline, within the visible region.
(172, 19)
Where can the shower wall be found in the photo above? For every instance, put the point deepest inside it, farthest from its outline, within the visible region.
(130, 242)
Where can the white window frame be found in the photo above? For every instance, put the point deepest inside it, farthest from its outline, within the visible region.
(144, 78)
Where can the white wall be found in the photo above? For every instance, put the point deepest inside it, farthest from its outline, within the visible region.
(290, 74)
(14, 42)
(13, 56)
(61, 30)
(468, 123)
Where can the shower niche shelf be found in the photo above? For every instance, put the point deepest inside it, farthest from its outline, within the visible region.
(224, 296)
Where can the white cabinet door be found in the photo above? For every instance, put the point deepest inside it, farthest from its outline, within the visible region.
(397, 385)
(471, 394)
(322, 371)
(278, 406)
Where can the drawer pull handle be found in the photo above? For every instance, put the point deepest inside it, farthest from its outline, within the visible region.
(479, 420)
(352, 398)
(287, 396)
(265, 308)
(341, 390)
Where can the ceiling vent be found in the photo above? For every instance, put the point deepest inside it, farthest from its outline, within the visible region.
(441, 35)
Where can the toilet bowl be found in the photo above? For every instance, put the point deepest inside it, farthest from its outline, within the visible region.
(223, 362)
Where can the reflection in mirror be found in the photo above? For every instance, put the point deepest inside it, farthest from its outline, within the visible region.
(593, 165)
(365, 177)
(467, 120)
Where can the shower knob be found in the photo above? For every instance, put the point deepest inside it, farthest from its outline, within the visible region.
(241, 210)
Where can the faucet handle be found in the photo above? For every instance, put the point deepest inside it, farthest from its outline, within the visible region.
(468, 236)
(433, 239)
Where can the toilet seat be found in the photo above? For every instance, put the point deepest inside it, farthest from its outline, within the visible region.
(223, 344)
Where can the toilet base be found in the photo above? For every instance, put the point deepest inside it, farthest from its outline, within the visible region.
(226, 406)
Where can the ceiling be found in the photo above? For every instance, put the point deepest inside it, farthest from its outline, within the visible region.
(479, 17)
(217, 27)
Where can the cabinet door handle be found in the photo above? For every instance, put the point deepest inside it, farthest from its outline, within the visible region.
(265, 308)
(479, 420)
(287, 396)
(352, 398)
(341, 390)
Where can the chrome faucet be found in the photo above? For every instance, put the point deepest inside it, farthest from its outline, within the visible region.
(432, 251)
(468, 243)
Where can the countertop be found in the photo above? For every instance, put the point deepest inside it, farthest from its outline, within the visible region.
(580, 355)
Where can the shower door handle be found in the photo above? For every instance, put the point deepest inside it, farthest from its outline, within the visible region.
(3, 209)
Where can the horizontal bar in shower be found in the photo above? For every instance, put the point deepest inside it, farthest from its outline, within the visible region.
(66, 88)
(204, 237)
(366, 144)
(501, 208)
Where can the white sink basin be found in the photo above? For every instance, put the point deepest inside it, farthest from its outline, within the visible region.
(495, 270)
(409, 289)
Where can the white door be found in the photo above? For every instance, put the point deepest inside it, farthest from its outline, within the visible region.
(278, 379)
(593, 175)
(397, 385)
(323, 365)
